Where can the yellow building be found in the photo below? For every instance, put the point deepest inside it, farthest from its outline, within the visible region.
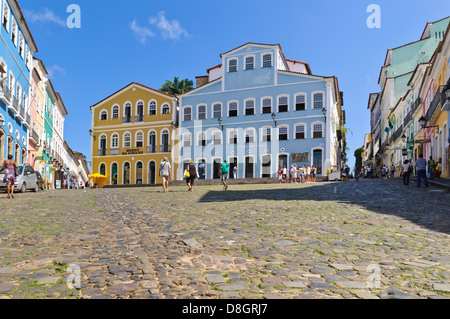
(131, 133)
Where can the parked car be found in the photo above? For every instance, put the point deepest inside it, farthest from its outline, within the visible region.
(27, 178)
(41, 180)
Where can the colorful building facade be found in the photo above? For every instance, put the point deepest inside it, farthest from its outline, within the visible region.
(16, 49)
(132, 132)
(260, 111)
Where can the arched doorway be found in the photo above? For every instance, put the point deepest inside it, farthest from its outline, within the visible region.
(266, 165)
(126, 173)
(152, 172)
(114, 172)
(201, 165)
(139, 169)
(249, 167)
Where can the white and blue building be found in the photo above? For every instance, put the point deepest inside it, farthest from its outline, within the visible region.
(260, 111)
(17, 47)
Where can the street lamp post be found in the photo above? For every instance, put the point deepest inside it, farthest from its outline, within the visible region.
(273, 118)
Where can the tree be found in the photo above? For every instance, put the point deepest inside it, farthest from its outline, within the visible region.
(177, 87)
(358, 157)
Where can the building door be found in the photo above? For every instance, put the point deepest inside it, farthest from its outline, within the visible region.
(114, 174)
(249, 167)
(201, 168)
(152, 173)
(233, 163)
(126, 173)
(266, 164)
(217, 168)
(282, 160)
(139, 169)
(127, 117)
(317, 161)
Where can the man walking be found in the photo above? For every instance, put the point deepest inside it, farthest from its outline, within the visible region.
(165, 172)
(421, 166)
(225, 168)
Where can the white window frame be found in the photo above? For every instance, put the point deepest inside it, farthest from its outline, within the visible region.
(131, 109)
(254, 105)
(126, 144)
(115, 139)
(136, 138)
(184, 113)
(101, 113)
(305, 96)
(8, 17)
(271, 59)
(165, 104)
(287, 132)
(253, 64)
(271, 104)
(232, 130)
(312, 99)
(198, 111)
(278, 102)
(199, 135)
(304, 128)
(115, 106)
(253, 130)
(187, 137)
(228, 64)
(262, 130)
(14, 31)
(156, 107)
(214, 134)
(212, 109)
(228, 107)
(312, 129)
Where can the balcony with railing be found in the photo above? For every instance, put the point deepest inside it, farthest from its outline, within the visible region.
(435, 107)
(34, 136)
(21, 114)
(151, 149)
(27, 122)
(126, 119)
(397, 134)
(102, 152)
(165, 148)
(139, 118)
(407, 118)
(5, 94)
(416, 104)
(14, 105)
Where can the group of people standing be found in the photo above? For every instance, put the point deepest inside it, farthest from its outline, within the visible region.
(300, 174)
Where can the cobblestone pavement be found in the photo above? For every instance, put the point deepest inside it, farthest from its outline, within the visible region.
(372, 239)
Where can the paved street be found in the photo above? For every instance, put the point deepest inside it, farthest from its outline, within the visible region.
(372, 239)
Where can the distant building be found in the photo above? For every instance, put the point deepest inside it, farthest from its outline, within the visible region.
(131, 134)
(260, 111)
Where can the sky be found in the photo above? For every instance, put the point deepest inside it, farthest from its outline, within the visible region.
(147, 41)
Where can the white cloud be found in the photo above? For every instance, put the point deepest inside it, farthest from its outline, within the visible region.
(44, 17)
(169, 29)
(54, 69)
(142, 33)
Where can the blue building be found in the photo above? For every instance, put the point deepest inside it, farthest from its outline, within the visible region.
(260, 111)
(17, 47)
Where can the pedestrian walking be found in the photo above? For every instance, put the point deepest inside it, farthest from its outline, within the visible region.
(225, 168)
(10, 169)
(165, 171)
(190, 175)
(293, 173)
(392, 171)
(308, 174)
(235, 169)
(313, 173)
(431, 166)
(301, 173)
(284, 174)
(421, 167)
(405, 173)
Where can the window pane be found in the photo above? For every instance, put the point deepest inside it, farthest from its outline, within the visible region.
(267, 60)
(202, 112)
(283, 104)
(267, 106)
(318, 100)
(187, 114)
(249, 136)
(250, 107)
(249, 62)
(232, 66)
(233, 109)
(217, 110)
(283, 133)
(300, 104)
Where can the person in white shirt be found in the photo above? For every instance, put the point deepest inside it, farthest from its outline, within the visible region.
(405, 172)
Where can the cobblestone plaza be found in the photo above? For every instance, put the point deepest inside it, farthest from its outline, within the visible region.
(367, 240)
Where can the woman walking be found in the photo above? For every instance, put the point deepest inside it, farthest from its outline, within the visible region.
(165, 172)
(9, 166)
(405, 172)
(192, 170)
